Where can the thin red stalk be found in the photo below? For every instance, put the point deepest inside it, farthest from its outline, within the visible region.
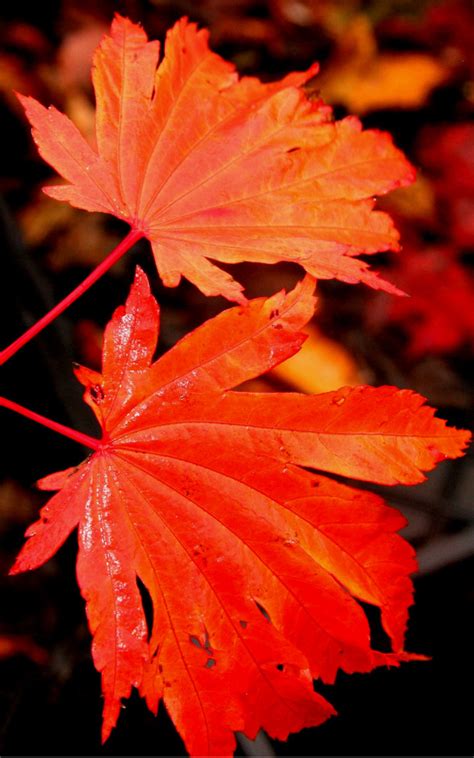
(107, 263)
(66, 431)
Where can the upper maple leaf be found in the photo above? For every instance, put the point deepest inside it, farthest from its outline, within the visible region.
(254, 565)
(208, 166)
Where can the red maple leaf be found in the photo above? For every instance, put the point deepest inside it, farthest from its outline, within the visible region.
(438, 317)
(208, 166)
(254, 565)
(448, 154)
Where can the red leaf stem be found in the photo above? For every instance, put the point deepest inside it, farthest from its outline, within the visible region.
(133, 236)
(66, 431)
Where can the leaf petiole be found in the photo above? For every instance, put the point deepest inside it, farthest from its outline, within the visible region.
(133, 236)
(66, 431)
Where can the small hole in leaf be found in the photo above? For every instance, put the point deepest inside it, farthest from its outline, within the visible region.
(147, 606)
(275, 313)
(280, 667)
(243, 624)
(96, 393)
(210, 663)
(195, 641)
(293, 149)
(264, 612)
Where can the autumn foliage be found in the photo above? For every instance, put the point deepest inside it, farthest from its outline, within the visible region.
(259, 173)
(250, 560)
(227, 505)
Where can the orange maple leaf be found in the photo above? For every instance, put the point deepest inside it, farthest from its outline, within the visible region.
(208, 166)
(254, 565)
(363, 79)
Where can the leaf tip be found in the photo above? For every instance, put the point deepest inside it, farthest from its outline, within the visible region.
(141, 280)
(307, 287)
(20, 96)
(16, 568)
(123, 24)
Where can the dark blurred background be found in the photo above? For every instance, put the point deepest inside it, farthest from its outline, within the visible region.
(406, 66)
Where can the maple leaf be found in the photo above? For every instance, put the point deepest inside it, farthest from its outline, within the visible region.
(448, 154)
(322, 365)
(363, 79)
(437, 317)
(208, 166)
(254, 565)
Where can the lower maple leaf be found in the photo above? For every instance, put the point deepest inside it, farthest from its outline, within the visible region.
(255, 566)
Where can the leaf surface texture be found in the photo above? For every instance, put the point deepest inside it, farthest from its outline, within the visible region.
(255, 566)
(216, 168)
